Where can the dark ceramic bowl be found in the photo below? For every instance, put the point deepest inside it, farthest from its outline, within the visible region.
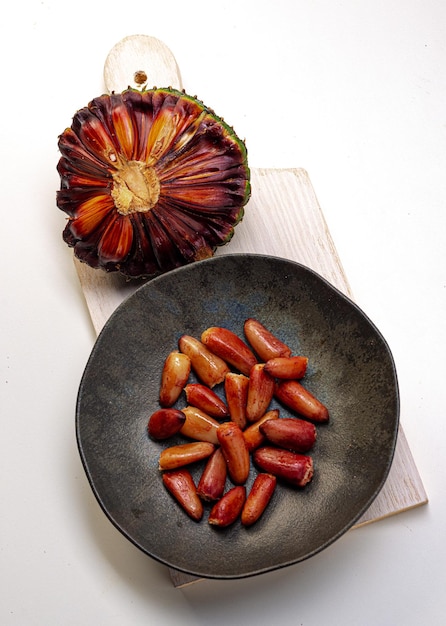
(351, 370)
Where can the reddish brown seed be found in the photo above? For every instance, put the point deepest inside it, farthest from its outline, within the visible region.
(236, 392)
(199, 426)
(258, 498)
(228, 346)
(165, 423)
(208, 367)
(293, 395)
(292, 467)
(291, 433)
(182, 487)
(235, 451)
(293, 367)
(253, 436)
(226, 511)
(260, 392)
(263, 342)
(176, 370)
(213, 479)
(205, 399)
(184, 454)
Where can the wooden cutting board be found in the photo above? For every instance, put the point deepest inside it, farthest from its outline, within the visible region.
(283, 218)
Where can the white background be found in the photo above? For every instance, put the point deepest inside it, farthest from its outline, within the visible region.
(354, 92)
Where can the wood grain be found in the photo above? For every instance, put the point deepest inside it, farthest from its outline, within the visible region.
(283, 218)
(136, 54)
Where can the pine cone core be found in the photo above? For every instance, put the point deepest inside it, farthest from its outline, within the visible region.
(136, 188)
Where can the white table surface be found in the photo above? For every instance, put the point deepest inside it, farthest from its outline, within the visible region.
(354, 92)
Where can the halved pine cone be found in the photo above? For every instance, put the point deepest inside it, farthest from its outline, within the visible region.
(150, 180)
